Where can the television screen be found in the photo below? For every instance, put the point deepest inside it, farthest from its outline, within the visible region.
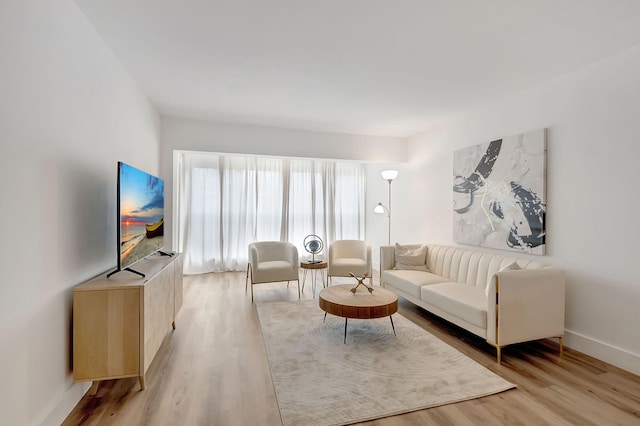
(140, 214)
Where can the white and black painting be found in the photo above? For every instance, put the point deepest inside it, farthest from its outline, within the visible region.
(499, 198)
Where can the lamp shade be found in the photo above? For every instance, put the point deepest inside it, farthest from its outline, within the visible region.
(389, 174)
(379, 208)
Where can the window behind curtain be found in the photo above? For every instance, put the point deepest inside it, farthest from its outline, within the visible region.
(224, 202)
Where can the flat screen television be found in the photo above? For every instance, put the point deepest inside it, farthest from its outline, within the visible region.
(140, 209)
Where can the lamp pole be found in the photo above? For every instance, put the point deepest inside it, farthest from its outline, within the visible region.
(389, 176)
(389, 211)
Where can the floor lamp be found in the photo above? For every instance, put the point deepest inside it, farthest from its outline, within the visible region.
(389, 176)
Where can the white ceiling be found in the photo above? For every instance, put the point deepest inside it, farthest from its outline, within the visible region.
(376, 67)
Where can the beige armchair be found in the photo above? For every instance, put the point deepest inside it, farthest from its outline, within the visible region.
(349, 256)
(272, 261)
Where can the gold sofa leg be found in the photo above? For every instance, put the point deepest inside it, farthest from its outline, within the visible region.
(499, 348)
(561, 345)
(498, 351)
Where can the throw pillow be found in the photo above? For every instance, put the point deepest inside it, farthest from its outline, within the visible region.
(411, 258)
(513, 266)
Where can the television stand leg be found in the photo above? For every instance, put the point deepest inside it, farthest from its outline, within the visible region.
(165, 253)
(125, 269)
(135, 272)
(93, 390)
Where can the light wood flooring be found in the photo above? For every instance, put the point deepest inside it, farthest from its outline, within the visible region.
(213, 370)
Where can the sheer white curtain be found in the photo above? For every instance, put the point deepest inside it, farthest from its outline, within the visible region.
(224, 202)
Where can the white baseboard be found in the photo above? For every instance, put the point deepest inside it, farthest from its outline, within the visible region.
(59, 411)
(613, 355)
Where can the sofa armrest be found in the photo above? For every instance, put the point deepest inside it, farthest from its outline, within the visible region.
(387, 259)
(525, 305)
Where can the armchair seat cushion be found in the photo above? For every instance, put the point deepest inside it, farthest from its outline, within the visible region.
(466, 302)
(347, 263)
(274, 270)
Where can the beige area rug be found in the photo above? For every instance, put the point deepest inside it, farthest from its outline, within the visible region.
(321, 381)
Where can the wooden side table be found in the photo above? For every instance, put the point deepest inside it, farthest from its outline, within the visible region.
(314, 268)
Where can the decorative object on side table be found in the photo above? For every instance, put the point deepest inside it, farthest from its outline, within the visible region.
(360, 282)
(314, 245)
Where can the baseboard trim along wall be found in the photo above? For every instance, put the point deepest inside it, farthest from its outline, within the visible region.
(64, 405)
(613, 355)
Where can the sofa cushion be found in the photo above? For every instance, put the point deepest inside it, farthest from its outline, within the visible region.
(462, 300)
(410, 281)
(411, 257)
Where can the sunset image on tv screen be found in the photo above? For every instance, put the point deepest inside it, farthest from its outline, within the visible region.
(141, 214)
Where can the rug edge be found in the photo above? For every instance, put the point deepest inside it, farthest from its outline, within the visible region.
(266, 352)
(426, 407)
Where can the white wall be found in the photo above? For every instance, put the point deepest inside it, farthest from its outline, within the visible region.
(192, 135)
(593, 121)
(68, 113)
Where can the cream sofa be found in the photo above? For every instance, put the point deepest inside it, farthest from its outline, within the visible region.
(470, 289)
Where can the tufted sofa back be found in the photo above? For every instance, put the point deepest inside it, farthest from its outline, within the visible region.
(470, 266)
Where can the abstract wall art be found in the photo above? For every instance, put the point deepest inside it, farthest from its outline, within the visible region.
(499, 193)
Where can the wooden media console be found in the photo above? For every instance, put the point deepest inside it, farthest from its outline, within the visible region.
(120, 322)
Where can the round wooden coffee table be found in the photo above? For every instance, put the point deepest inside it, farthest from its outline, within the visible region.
(340, 301)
